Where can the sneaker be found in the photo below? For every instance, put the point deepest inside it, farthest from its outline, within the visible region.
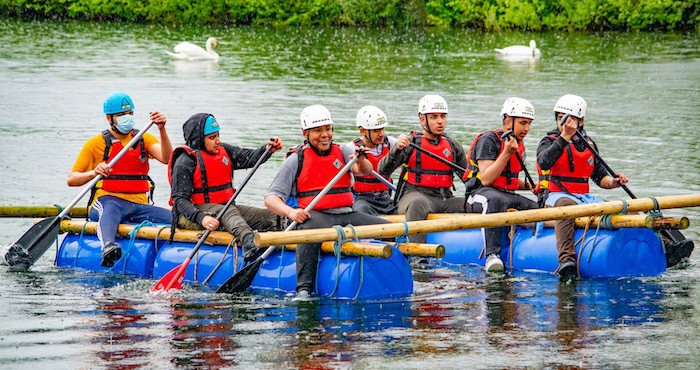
(302, 295)
(493, 263)
(567, 271)
(110, 253)
(250, 251)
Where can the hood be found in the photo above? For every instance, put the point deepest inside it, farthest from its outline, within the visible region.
(193, 130)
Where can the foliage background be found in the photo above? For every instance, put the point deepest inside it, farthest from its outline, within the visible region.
(489, 15)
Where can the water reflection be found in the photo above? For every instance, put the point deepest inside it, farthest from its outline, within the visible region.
(201, 337)
(123, 326)
(543, 303)
(184, 68)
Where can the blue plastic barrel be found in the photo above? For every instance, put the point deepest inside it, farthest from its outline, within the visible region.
(86, 253)
(609, 253)
(364, 278)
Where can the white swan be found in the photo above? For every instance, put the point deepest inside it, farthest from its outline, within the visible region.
(191, 52)
(532, 50)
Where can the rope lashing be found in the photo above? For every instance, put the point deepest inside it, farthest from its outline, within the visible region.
(656, 212)
(221, 261)
(132, 241)
(60, 209)
(606, 220)
(80, 242)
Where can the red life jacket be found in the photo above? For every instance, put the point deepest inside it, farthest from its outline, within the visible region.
(570, 173)
(314, 173)
(368, 183)
(424, 170)
(130, 173)
(508, 179)
(212, 180)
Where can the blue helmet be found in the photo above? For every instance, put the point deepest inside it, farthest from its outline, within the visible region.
(118, 102)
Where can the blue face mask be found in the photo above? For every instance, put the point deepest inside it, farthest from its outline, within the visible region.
(125, 123)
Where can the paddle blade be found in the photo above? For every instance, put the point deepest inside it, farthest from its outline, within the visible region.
(241, 281)
(33, 244)
(172, 280)
(678, 248)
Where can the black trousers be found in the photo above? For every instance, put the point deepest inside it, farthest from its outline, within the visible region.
(491, 200)
(307, 254)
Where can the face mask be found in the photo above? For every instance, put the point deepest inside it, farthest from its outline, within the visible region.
(125, 123)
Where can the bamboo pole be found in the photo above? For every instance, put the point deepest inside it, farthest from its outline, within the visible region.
(422, 250)
(220, 238)
(489, 220)
(352, 248)
(39, 211)
(615, 222)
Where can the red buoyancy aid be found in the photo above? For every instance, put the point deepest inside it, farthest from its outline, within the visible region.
(368, 183)
(570, 173)
(212, 181)
(424, 170)
(315, 173)
(130, 173)
(508, 179)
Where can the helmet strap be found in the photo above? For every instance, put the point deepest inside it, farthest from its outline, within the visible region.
(369, 138)
(426, 126)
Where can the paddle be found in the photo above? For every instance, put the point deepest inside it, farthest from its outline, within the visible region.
(174, 278)
(443, 160)
(383, 180)
(37, 240)
(240, 281)
(520, 159)
(679, 247)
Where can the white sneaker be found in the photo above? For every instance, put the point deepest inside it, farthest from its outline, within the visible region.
(493, 263)
(302, 295)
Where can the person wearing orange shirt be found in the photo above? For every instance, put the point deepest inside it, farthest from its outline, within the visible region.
(123, 193)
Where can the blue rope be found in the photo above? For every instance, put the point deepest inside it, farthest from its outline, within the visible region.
(60, 209)
(132, 241)
(656, 212)
(279, 270)
(403, 238)
(605, 219)
(362, 260)
(342, 239)
(80, 243)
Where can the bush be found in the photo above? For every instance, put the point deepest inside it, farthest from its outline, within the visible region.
(536, 15)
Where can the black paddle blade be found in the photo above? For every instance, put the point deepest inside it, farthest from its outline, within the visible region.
(33, 244)
(240, 282)
(677, 252)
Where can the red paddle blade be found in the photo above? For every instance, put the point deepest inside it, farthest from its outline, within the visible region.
(172, 280)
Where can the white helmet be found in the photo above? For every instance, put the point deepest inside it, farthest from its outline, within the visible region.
(571, 104)
(315, 116)
(371, 118)
(517, 107)
(432, 104)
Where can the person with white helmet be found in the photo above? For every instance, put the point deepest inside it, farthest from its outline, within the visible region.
(428, 171)
(565, 166)
(496, 158)
(372, 196)
(306, 171)
(201, 175)
(123, 193)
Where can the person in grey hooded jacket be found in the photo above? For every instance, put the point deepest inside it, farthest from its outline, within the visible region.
(201, 174)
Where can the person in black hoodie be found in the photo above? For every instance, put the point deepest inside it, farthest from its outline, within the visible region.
(201, 175)
(565, 165)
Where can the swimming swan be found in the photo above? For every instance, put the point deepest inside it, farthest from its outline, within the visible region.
(191, 52)
(521, 50)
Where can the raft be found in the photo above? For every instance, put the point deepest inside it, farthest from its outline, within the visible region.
(360, 278)
(624, 252)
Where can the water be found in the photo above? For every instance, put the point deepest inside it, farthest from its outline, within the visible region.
(643, 96)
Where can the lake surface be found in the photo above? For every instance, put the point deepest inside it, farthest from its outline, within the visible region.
(643, 93)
